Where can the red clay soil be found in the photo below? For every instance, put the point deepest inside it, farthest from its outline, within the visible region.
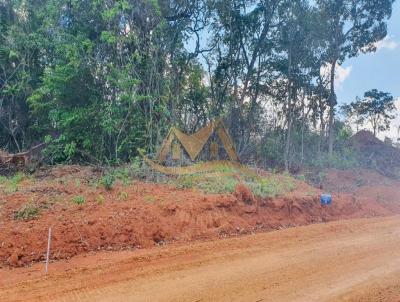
(141, 215)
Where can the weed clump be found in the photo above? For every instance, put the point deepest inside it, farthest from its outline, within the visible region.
(10, 185)
(108, 181)
(78, 199)
(209, 183)
(100, 199)
(150, 199)
(271, 186)
(122, 196)
(27, 212)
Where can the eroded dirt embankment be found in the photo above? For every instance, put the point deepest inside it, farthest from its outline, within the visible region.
(353, 260)
(141, 215)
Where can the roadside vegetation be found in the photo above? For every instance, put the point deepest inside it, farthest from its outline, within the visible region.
(98, 81)
(226, 179)
(28, 211)
(11, 184)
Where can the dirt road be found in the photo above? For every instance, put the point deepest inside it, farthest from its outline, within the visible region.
(354, 260)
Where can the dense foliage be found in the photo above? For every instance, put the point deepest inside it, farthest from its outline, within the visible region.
(98, 80)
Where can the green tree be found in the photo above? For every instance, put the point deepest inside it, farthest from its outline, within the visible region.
(376, 108)
(352, 27)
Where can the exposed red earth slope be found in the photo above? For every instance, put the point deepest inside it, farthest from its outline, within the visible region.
(142, 215)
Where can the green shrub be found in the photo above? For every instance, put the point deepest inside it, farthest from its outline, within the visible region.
(137, 168)
(122, 174)
(107, 181)
(78, 199)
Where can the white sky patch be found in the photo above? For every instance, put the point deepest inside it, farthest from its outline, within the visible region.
(342, 73)
(386, 43)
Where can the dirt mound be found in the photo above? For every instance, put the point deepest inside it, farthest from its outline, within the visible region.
(365, 138)
(85, 217)
(349, 181)
(377, 155)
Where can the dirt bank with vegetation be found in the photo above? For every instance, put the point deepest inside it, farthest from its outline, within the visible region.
(87, 215)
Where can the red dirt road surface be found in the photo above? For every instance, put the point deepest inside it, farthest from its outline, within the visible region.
(352, 260)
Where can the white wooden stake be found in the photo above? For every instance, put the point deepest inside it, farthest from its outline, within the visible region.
(48, 250)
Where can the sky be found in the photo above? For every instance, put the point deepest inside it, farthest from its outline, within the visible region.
(380, 70)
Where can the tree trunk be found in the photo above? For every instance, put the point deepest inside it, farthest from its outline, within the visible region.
(303, 124)
(374, 126)
(289, 111)
(332, 104)
(331, 132)
(287, 146)
(322, 125)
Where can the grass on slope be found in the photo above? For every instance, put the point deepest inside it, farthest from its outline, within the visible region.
(223, 179)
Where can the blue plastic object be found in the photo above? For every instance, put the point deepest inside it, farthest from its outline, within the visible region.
(326, 199)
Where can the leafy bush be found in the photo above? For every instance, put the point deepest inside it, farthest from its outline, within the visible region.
(138, 169)
(59, 149)
(125, 173)
(122, 174)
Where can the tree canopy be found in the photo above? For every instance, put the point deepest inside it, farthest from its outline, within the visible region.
(376, 108)
(99, 80)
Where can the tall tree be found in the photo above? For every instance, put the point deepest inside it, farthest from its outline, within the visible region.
(352, 27)
(299, 49)
(243, 34)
